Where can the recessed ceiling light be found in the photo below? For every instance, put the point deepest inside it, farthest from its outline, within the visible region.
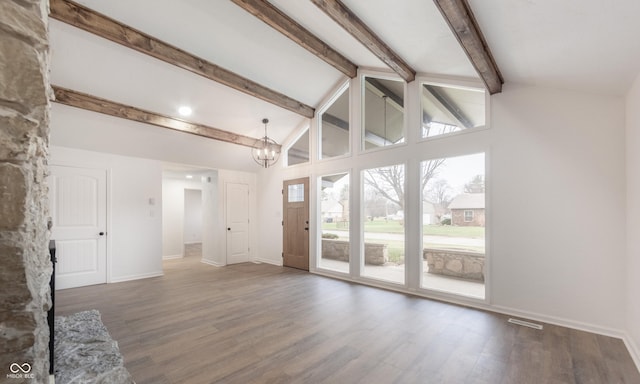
(185, 111)
(189, 177)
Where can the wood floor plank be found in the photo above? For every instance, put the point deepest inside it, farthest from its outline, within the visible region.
(258, 323)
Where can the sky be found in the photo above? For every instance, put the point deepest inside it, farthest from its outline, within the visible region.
(459, 170)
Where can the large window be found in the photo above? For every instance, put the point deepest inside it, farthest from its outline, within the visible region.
(383, 113)
(298, 153)
(447, 109)
(335, 248)
(383, 223)
(453, 225)
(334, 127)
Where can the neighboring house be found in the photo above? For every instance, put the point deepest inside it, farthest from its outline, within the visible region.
(333, 211)
(428, 213)
(467, 209)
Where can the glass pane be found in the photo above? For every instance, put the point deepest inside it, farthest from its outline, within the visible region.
(334, 128)
(334, 216)
(383, 117)
(299, 152)
(295, 193)
(446, 109)
(453, 225)
(383, 223)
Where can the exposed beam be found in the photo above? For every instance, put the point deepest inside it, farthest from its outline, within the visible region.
(96, 104)
(293, 30)
(460, 18)
(344, 125)
(336, 121)
(358, 29)
(96, 23)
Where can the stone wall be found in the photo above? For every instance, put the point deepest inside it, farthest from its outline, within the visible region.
(25, 267)
(466, 265)
(374, 253)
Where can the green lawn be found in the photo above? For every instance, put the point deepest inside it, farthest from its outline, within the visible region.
(396, 248)
(391, 226)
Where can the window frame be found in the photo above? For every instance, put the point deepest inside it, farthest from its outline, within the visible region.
(326, 104)
(362, 107)
(318, 234)
(306, 128)
(456, 84)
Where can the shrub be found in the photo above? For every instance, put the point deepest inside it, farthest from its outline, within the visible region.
(329, 236)
(446, 221)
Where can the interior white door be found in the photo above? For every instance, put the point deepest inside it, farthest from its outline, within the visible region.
(78, 205)
(237, 207)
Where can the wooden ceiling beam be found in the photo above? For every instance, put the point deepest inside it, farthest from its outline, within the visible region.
(95, 104)
(284, 24)
(103, 26)
(358, 29)
(462, 22)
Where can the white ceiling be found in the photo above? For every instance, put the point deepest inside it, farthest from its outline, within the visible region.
(587, 45)
(583, 45)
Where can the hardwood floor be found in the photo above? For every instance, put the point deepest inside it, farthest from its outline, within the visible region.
(257, 323)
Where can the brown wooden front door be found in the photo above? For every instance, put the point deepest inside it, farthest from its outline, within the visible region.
(296, 223)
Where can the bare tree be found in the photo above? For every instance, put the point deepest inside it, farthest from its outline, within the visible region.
(475, 185)
(439, 192)
(429, 170)
(389, 181)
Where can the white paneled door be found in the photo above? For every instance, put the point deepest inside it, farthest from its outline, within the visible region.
(237, 202)
(78, 205)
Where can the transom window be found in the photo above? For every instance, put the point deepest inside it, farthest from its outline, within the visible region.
(447, 109)
(383, 113)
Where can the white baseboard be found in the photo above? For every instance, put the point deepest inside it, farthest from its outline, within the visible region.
(587, 327)
(209, 262)
(173, 257)
(581, 326)
(634, 349)
(136, 277)
(268, 261)
(192, 242)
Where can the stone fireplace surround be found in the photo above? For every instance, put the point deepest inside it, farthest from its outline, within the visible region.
(24, 212)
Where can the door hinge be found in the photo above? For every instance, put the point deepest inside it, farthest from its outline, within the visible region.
(283, 255)
(283, 223)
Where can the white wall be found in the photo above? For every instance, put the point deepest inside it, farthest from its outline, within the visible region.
(172, 218)
(135, 212)
(192, 216)
(212, 225)
(633, 218)
(557, 203)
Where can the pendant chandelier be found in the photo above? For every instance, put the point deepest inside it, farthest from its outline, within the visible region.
(265, 151)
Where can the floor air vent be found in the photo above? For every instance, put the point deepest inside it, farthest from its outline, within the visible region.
(525, 323)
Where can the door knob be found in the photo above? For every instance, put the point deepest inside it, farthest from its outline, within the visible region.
(101, 233)
(228, 229)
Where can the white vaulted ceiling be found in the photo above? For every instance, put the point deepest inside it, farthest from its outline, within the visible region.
(588, 45)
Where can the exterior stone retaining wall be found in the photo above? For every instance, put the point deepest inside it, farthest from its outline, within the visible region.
(374, 253)
(25, 266)
(466, 265)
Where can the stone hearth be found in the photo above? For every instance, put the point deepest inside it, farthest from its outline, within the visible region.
(86, 353)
